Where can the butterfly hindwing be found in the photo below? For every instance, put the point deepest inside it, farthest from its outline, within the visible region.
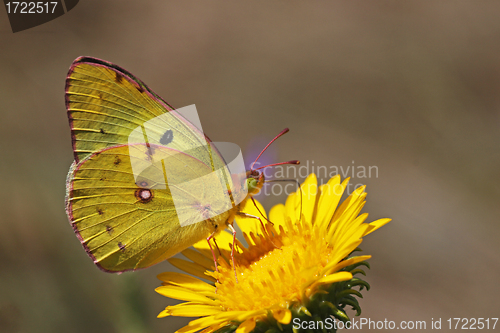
(126, 222)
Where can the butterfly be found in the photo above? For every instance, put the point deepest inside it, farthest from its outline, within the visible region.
(146, 182)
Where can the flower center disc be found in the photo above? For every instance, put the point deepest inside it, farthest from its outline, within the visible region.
(272, 271)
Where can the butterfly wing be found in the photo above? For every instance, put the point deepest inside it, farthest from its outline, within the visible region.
(110, 111)
(127, 221)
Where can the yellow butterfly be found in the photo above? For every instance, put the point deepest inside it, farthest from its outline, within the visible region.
(146, 182)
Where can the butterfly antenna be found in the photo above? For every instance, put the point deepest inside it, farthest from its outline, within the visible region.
(281, 163)
(263, 150)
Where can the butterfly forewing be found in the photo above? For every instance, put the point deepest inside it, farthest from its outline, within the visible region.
(106, 104)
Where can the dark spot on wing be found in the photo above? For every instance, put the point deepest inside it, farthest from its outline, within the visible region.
(118, 77)
(102, 131)
(99, 211)
(117, 160)
(144, 195)
(102, 179)
(109, 229)
(99, 95)
(167, 137)
(121, 246)
(143, 184)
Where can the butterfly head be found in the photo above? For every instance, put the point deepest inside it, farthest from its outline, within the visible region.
(255, 181)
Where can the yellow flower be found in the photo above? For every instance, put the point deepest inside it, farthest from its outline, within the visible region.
(295, 268)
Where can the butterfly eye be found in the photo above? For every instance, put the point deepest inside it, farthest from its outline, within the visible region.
(251, 184)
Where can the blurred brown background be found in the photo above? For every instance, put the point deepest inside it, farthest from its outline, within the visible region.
(411, 87)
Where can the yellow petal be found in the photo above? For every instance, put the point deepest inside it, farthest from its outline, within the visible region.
(213, 328)
(237, 315)
(183, 294)
(331, 193)
(194, 310)
(340, 223)
(290, 207)
(346, 249)
(185, 281)
(352, 231)
(336, 277)
(350, 238)
(277, 216)
(163, 314)
(333, 267)
(190, 267)
(308, 197)
(198, 324)
(352, 199)
(283, 316)
(247, 326)
(375, 225)
(198, 258)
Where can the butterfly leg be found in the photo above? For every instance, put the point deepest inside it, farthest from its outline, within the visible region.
(230, 226)
(217, 246)
(254, 217)
(253, 200)
(261, 223)
(213, 253)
